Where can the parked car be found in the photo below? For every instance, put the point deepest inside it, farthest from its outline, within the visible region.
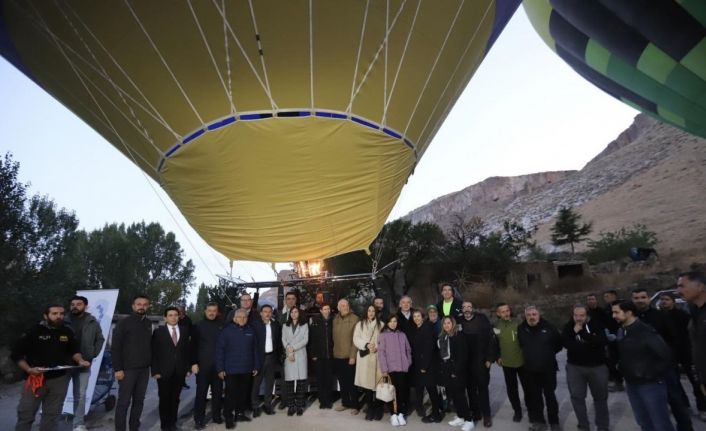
(680, 303)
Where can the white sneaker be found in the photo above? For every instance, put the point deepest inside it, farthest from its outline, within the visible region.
(400, 420)
(467, 426)
(80, 428)
(457, 422)
(394, 420)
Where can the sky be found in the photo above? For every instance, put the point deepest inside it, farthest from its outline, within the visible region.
(524, 111)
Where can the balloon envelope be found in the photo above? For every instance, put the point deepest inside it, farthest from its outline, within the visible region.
(649, 54)
(283, 130)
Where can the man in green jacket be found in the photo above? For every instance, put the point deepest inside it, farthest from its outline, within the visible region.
(510, 356)
(89, 338)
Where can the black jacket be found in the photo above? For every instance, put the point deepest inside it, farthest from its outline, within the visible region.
(540, 344)
(611, 324)
(261, 333)
(644, 356)
(455, 370)
(482, 344)
(320, 337)
(205, 335)
(45, 346)
(406, 325)
(168, 359)
(678, 320)
(425, 350)
(657, 320)
(587, 347)
(697, 333)
(602, 316)
(132, 343)
(456, 309)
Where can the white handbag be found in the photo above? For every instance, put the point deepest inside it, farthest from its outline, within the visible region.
(385, 390)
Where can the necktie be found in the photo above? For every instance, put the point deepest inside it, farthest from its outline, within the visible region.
(174, 335)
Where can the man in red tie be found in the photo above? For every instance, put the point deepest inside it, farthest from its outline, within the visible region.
(172, 360)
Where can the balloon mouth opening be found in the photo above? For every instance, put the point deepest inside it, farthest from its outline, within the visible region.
(288, 113)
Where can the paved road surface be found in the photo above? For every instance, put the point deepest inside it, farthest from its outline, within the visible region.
(314, 419)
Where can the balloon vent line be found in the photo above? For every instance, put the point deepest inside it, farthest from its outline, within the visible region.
(264, 115)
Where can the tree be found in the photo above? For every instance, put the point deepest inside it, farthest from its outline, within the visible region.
(138, 259)
(617, 244)
(568, 228)
(472, 251)
(37, 243)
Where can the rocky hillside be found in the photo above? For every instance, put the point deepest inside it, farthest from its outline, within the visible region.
(652, 174)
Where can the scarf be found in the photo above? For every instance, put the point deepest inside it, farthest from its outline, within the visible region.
(445, 346)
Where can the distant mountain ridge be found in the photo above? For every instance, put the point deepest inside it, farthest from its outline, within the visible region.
(651, 173)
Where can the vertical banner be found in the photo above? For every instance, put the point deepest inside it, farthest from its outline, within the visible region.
(101, 304)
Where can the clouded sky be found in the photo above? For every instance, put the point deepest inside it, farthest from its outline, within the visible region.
(524, 111)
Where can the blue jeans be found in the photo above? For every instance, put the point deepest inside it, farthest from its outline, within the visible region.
(649, 405)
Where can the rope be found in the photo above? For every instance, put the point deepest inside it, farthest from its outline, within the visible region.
(262, 55)
(399, 66)
(360, 48)
(210, 53)
(57, 40)
(311, 52)
(227, 50)
(433, 67)
(377, 55)
(242, 50)
(458, 64)
(164, 62)
(105, 72)
(156, 115)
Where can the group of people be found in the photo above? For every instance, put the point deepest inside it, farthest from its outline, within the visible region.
(444, 352)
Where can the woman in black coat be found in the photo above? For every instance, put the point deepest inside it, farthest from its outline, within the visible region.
(425, 356)
(454, 354)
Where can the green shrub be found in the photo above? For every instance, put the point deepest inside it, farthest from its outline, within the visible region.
(616, 245)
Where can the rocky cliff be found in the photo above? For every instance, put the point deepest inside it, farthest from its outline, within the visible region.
(652, 174)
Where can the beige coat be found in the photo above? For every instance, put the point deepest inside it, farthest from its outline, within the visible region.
(367, 370)
(343, 347)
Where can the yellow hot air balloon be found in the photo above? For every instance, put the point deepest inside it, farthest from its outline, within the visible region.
(282, 129)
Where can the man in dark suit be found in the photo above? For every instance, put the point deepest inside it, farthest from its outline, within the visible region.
(269, 335)
(204, 337)
(172, 360)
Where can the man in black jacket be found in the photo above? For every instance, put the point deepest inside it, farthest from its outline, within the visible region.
(692, 286)
(205, 336)
(678, 401)
(269, 335)
(615, 382)
(585, 342)
(483, 352)
(132, 356)
(89, 337)
(540, 342)
(172, 360)
(321, 354)
(381, 309)
(46, 345)
(644, 360)
(679, 320)
(449, 305)
(404, 316)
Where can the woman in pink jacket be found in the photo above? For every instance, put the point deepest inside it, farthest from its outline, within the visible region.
(394, 359)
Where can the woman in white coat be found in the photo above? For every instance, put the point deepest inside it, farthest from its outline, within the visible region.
(367, 370)
(295, 336)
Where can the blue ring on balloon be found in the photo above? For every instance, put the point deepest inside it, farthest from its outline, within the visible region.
(264, 115)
